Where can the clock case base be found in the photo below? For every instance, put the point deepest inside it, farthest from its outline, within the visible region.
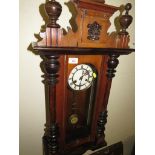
(74, 151)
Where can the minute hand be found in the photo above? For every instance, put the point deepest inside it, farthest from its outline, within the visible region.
(83, 74)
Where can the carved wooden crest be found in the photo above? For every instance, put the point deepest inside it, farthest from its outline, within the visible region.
(94, 31)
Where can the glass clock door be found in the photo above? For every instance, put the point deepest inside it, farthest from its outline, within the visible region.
(80, 102)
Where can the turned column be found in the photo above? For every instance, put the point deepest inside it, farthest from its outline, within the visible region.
(112, 63)
(50, 66)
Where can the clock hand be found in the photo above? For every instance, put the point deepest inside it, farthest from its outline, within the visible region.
(84, 74)
(81, 78)
(80, 84)
(74, 81)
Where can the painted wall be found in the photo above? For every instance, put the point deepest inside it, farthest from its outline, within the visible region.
(120, 126)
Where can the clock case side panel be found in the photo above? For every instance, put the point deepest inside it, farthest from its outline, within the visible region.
(60, 101)
(100, 118)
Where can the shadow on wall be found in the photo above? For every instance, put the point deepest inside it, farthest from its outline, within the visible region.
(116, 21)
(43, 27)
(128, 145)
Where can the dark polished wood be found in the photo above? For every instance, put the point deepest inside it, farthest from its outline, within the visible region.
(50, 140)
(126, 19)
(101, 127)
(50, 66)
(53, 9)
(112, 64)
(82, 51)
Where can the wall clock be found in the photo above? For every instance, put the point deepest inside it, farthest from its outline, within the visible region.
(78, 69)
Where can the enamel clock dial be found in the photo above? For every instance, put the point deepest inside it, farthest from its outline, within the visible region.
(81, 77)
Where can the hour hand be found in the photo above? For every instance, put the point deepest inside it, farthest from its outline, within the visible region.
(83, 73)
(81, 78)
(74, 81)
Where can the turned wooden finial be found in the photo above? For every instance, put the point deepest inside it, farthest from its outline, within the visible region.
(53, 9)
(126, 19)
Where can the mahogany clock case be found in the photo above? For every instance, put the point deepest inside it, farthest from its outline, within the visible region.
(76, 116)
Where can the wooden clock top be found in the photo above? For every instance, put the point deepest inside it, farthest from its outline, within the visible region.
(92, 23)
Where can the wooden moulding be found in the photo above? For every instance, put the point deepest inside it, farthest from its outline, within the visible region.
(82, 51)
(94, 5)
